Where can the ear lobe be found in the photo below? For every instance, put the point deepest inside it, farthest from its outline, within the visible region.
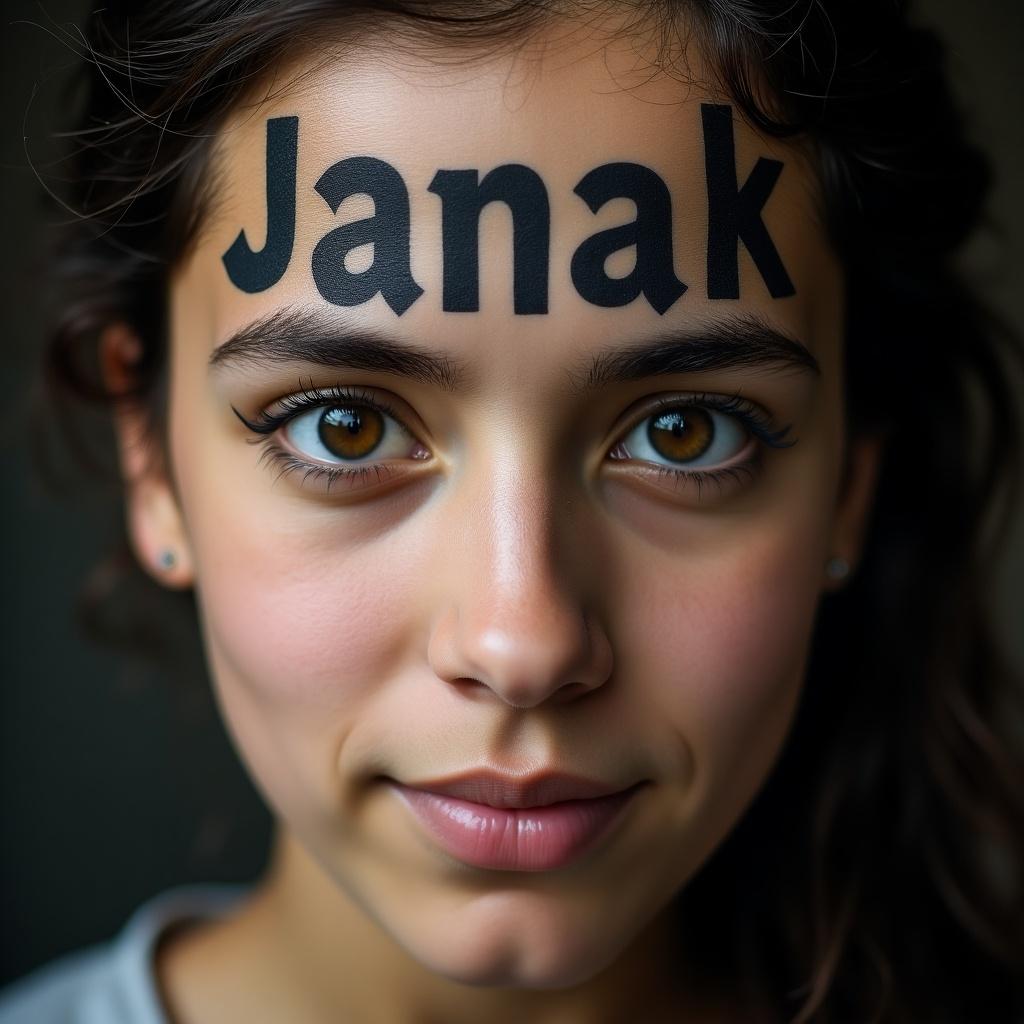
(156, 532)
(155, 523)
(856, 499)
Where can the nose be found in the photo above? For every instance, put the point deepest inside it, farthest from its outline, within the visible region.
(519, 627)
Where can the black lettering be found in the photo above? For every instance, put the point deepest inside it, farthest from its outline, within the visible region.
(388, 230)
(258, 271)
(734, 214)
(651, 233)
(462, 200)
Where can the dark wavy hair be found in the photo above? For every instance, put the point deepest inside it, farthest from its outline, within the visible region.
(878, 873)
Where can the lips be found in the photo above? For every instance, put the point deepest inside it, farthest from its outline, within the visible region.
(497, 790)
(536, 823)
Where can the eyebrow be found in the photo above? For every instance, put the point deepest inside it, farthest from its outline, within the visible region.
(312, 336)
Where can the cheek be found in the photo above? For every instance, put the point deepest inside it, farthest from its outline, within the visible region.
(307, 623)
(723, 650)
(299, 633)
(294, 601)
(299, 622)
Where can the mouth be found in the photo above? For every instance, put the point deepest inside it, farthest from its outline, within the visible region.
(487, 819)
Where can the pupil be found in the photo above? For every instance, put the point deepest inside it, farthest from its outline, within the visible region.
(350, 433)
(680, 435)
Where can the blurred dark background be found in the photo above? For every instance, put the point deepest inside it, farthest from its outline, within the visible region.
(117, 778)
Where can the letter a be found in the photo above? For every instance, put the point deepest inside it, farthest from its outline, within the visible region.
(388, 230)
(651, 233)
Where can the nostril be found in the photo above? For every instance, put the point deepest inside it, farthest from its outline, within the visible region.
(531, 697)
(467, 685)
(571, 691)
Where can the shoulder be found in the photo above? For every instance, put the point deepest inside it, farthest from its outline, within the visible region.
(59, 992)
(113, 982)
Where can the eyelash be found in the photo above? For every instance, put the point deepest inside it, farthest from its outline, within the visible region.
(755, 419)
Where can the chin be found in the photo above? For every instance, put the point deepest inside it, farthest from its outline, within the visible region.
(523, 948)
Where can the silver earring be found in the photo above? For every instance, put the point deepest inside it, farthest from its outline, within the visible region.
(837, 568)
(167, 559)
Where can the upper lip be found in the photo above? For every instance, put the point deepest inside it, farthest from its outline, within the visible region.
(496, 789)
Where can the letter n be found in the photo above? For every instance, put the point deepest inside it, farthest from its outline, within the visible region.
(462, 200)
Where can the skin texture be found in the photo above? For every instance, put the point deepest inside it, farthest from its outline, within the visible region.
(515, 600)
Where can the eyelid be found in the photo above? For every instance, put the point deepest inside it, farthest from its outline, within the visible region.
(754, 416)
(298, 404)
(308, 397)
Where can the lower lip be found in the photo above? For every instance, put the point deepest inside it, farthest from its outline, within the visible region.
(515, 839)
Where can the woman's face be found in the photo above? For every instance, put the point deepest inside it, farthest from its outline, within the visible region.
(520, 586)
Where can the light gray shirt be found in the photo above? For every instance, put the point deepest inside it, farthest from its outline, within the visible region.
(113, 982)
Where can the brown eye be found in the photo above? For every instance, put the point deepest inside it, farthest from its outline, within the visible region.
(681, 434)
(350, 432)
(685, 437)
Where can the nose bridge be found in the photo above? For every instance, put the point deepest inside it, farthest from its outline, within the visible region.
(517, 619)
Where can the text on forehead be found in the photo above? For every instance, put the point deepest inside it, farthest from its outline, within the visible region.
(734, 215)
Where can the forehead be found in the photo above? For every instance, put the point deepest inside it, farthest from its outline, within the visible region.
(568, 102)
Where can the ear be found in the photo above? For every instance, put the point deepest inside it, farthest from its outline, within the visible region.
(855, 500)
(156, 528)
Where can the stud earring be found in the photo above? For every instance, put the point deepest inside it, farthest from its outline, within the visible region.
(837, 568)
(167, 559)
